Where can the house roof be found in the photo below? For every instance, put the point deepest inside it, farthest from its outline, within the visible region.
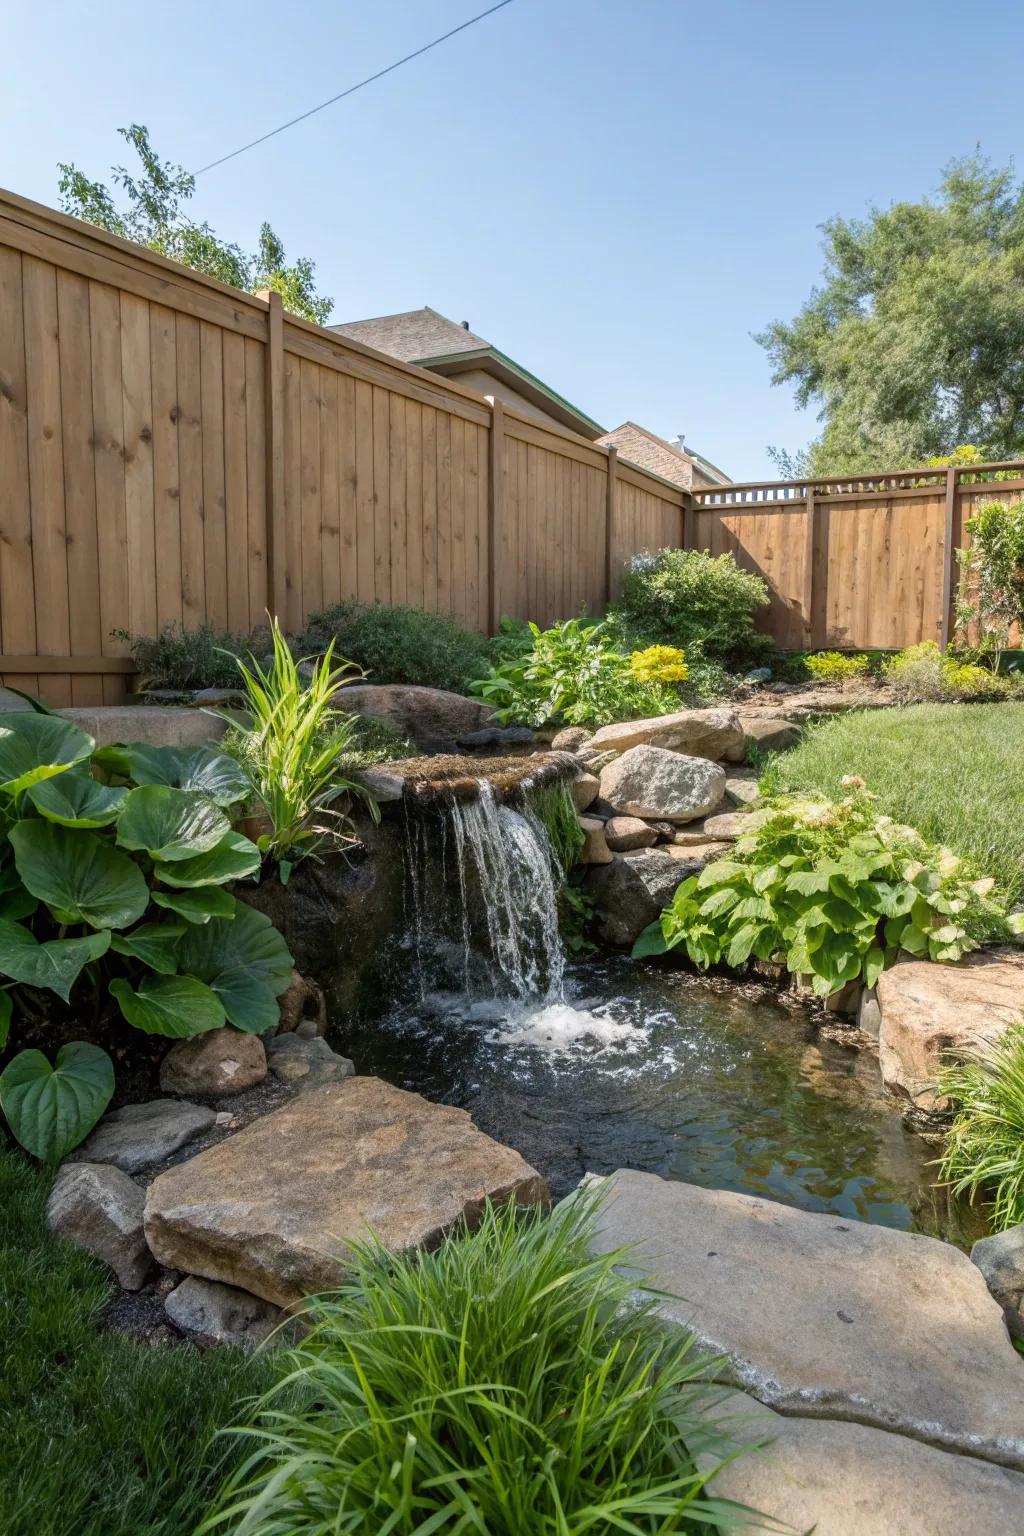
(648, 451)
(431, 340)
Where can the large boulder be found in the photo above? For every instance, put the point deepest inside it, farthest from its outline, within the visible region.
(846, 1479)
(140, 1136)
(220, 1062)
(710, 733)
(827, 1318)
(274, 1208)
(431, 717)
(100, 1209)
(632, 890)
(652, 782)
(1001, 1260)
(767, 734)
(931, 1013)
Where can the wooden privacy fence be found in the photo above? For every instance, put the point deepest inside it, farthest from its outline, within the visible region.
(858, 561)
(173, 450)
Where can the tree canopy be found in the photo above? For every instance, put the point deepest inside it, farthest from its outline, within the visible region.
(154, 216)
(914, 341)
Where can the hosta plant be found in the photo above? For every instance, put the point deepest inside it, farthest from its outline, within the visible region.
(833, 892)
(114, 876)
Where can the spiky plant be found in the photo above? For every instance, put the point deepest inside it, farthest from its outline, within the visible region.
(984, 1154)
(510, 1382)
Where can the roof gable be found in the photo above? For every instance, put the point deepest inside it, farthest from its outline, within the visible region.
(413, 336)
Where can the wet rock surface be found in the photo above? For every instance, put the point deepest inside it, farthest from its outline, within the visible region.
(631, 891)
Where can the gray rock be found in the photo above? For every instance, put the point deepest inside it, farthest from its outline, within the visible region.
(631, 891)
(595, 848)
(221, 1062)
(584, 788)
(758, 675)
(626, 833)
(431, 717)
(1001, 1260)
(665, 786)
(693, 859)
(204, 697)
(732, 824)
(570, 739)
(157, 725)
(741, 792)
(209, 1314)
(869, 1015)
(930, 1013)
(274, 1208)
(100, 1209)
(305, 1063)
(842, 1479)
(707, 733)
(141, 1135)
(769, 735)
(383, 783)
(827, 1318)
(595, 761)
(496, 736)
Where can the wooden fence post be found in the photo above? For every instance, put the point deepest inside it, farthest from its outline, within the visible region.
(495, 510)
(948, 558)
(609, 523)
(277, 588)
(808, 598)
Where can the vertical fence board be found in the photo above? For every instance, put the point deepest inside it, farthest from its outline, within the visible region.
(46, 472)
(257, 505)
(190, 470)
(17, 609)
(236, 490)
(215, 554)
(78, 435)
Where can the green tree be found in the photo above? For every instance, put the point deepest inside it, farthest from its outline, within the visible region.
(155, 216)
(914, 341)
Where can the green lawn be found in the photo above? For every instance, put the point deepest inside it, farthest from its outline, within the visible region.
(953, 771)
(100, 1435)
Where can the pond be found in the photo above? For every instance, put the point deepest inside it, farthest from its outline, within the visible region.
(653, 1068)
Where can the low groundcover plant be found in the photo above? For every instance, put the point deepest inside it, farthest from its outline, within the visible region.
(832, 891)
(512, 1381)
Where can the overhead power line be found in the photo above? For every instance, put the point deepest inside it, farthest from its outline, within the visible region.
(353, 88)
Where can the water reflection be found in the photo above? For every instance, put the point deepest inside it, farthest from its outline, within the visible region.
(660, 1070)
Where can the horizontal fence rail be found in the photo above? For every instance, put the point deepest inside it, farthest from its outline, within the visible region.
(173, 451)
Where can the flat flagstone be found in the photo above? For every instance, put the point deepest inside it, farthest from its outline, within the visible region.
(275, 1208)
(828, 1318)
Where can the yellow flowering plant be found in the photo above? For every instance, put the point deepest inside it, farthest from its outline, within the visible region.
(659, 664)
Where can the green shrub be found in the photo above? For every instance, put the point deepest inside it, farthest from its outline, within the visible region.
(509, 1382)
(180, 660)
(990, 598)
(573, 673)
(834, 892)
(399, 645)
(835, 667)
(374, 741)
(705, 604)
(923, 673)
(291, 750)
(114, 893)
(984, 1151)
(951, 770)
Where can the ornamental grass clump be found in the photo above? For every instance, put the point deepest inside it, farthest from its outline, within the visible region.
(984, 1152)
(832, 891)
(510, 1382)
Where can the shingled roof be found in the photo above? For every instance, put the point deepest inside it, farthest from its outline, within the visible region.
(430, 340)
(647, 451)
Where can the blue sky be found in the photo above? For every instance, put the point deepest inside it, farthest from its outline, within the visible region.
(614, 192)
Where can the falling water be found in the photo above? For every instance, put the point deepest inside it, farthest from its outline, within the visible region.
(500, 901)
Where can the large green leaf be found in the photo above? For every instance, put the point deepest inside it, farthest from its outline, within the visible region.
(15, 901)
(6, 1010)
(197, 906)
(51, 1109)
(55, 965)
(155, 944)
(245, 961)
(202, 768)
(82, 878)
(170, 824)
(36, 747)
(177, 1006)
(234, 858)
(75, 799)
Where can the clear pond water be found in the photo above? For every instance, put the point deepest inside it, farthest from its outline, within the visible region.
(642, 1066)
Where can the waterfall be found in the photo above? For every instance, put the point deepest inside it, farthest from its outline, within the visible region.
(483, 889)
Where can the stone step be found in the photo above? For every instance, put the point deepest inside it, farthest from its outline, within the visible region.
(826, 1318)
(274, 1208)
